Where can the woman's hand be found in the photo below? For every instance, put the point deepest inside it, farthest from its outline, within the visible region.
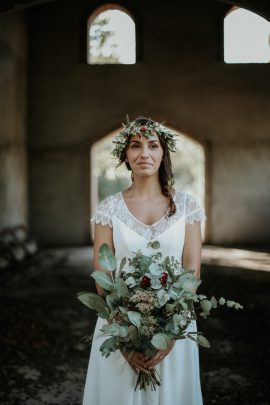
(136, 361)
(153, 361)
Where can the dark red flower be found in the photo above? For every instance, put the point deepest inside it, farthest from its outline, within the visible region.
(143, 129)
(163, 278)
(145, 281)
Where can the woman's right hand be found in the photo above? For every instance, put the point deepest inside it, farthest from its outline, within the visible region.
(136, 361)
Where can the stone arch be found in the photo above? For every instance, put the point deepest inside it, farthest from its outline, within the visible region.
(204, 197)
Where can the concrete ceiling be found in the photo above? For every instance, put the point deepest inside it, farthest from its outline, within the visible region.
(261, 7)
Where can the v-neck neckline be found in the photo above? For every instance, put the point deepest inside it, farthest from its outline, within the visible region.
(136, 219)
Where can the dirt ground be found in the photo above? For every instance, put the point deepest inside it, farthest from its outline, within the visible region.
(44, 361)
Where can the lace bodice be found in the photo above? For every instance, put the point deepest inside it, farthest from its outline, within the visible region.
(115, 206)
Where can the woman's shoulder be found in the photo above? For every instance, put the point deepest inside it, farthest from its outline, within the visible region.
(111, 200)
(184, 196)
(190, 205)
(180, 196)
(189, 202)
(105, 210)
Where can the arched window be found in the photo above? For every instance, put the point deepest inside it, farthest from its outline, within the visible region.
(246, 37)
(111, 36)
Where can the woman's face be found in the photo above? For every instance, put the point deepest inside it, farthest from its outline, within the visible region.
(144, 155)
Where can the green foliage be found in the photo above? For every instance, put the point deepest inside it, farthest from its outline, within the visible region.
(206, 306)
(103, 280)
(106, 257)
(149, 306)
(95, 302)
(187, 281)
(135, 318)
(154, 245)
(99, 38)
(160, 341)
(201, 340)
(120, 288)
(109, 346)
(122, 264)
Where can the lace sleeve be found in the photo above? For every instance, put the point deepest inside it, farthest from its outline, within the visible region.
(193, 210)
(103, 214)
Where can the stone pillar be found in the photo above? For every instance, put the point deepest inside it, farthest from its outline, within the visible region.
(13, 160)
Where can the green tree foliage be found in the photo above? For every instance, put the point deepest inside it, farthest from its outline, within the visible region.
(99, 36)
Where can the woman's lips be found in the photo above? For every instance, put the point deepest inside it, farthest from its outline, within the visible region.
(145, 164)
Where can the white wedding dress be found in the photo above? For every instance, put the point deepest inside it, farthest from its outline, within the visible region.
(111, 381)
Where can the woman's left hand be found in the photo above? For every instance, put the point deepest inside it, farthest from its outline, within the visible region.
(153, 361)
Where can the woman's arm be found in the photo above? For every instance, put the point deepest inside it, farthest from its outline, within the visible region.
(102, 234)
(192, 248)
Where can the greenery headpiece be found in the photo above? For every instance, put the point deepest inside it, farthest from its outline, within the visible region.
(146, 129)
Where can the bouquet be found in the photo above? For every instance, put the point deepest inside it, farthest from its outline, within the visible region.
(148, 305)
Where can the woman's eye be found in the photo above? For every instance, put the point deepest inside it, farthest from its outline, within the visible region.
(134, 145)
(154, 146)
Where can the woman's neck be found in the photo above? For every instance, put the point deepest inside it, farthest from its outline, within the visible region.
(147, 187)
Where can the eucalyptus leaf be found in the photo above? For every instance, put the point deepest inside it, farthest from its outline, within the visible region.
(201, 340)
(110, 345)
(103, 315)
(145, 262)
(169, 308)
(120, 288)
(230, 304)
(103, 280)
(179, 320)
(93, 301)
(122, 264)
(221, 301)
(173, 293)
(168, 267)
(115, 329)
(163, 297)
(112, 300)
(130, 282)
(150, 351)
(134, 335)
(154, 244)
(106, 257)
(213, 302)
(206, 306)
(160, 341)
(183, 304)
(187, 281)
(135, 318)
(169, 327)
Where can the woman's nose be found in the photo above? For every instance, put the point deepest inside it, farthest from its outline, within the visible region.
(145, 152)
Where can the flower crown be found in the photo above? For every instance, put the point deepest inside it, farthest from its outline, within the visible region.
(121, 141)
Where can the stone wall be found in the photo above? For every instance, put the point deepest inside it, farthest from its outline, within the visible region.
(180, 78)
(13, 165)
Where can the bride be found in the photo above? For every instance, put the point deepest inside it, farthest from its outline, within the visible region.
(149, 210)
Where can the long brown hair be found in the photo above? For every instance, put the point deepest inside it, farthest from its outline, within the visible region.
(166, 177)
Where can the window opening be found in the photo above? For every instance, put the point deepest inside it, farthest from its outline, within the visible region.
(246, 37)
(111, 38)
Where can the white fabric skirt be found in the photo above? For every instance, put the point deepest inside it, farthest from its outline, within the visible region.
(111, 381)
